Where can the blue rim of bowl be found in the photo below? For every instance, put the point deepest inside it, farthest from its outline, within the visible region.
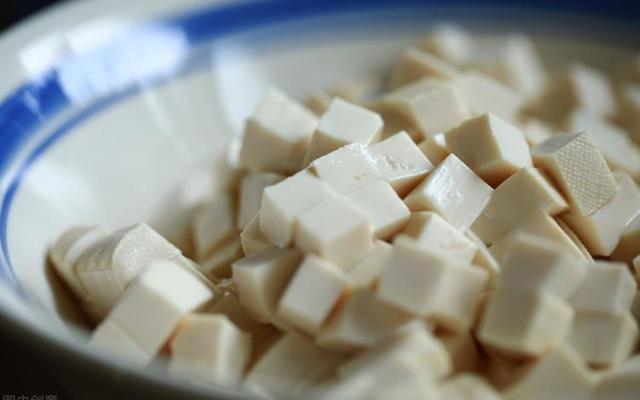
(19, 120)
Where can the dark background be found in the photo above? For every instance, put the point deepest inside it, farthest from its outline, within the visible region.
(12, 11)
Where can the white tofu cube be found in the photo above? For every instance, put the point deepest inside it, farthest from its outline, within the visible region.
(366, 271)
(386, 211)
(262, 277)
(453, 191)
(449, 42)
(251, 188)
(400, 162)
(218, 264)
(415, 64)
(491, 147)
(343, 123)
(462, 350)
(335, 230)
(484, 94)
(209, 349)
(468, 387)
(284, 201)
(277, 135)
(212, 224)
(312, 293)
(346, 169)
(607, 287)
(629, 245)
(252, 238)
(435, 148)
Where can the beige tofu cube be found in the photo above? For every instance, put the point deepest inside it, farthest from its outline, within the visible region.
(164, 293)
(366, 271)
(386, 211)
(601, 231)
(603, 340)
(343, 123)
(312, 293)
(484, 94)
(250, 198)
(283, 128)
(429, 106)
(229, 306)
(629, 245)
(536, 131)
(284, 201)
(213, 224)
(449, 42)
(252, 238)
(572, 235)
(483, 257)
(524, 323)
(453, 191)
(431, 231)
(491, 147)
(262, 278)
(559, 375)
(363, 321)
(218, 264)
(209, 349)
(435, 148)
(462, 350)
(575, 164)
(400, 162)
(468, 387)
(415, 64)
(607, 287)
(346, 169)
(109, 338)
(336, 230)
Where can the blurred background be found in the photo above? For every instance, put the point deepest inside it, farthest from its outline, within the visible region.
(12, 11)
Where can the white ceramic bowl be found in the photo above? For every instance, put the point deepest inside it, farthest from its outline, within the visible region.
(108, 106)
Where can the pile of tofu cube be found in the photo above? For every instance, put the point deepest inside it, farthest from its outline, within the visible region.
(467, 227)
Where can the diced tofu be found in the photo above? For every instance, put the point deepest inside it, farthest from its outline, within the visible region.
(386, 211)
(313, 292)
(250, 197)
(449, 42)
(603, 340)
(400, 162)
(111, 339)
(229, 306)
(536, 131)
(468, 387)
(343, 123)
(483, 94)
(431, 231)
(435, 148)
(491, 147)
(346, 169)
(284, 201)
(415, 64)
(262, 278)
(503, 372)
(362, 322)
(575, 164)
(335, 230)
(277, 135)
(366, 271)
(210, 349)
(164, 293)
(218, 264)
(318, 102)
(252, 238)
(524, 323)
(453, 191)
(213, 224)
(621, 383)
(483, 257)
(629, 244)
(607, 287)
(462, 350)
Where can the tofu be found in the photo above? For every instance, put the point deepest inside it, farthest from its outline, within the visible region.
(315, 289)
(572, 235)
(503, 372)
(431, 231)
(483, 257)
(164, 293)
(619, 384)
(603, 340)
(284, 201)
(524, 323)
(575, 164)
(400, 162)
(462, 350)
(283, 128)
(229, 306)
(386, 212)
(365, 272)
(250, 198)
(209, 349)
(449, 42)
(343, 123)
(262, 278)
(492, 148)
(629, 109)
(363, 321)
(629, 244)
(607, 287)
(318, 102)
(536, 131)
(484, 94)
(468, 387)
(602, 230)
(218, 264)
(435, 148)
(336, 230)
(346, 169)
(252, 239)
(415, 64)
(213, 224)
(453, 191)
(109, 338)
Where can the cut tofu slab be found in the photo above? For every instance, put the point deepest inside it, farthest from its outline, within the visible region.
(483, 94)
(607, 287)
(213, 224)
(346, 169)
(449, 42)
(629, 245)
(250, 198)
(435, 148)
(365, 272)
(281, 126)
(415, 64)
(453, 191)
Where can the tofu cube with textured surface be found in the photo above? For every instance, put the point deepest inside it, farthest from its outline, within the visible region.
(629, 245)
(607, 287)
(492, 148)
(468, 387)
(210, 349)
(435, 148)
(366, 271)
(213, 224)
(386, 211)
(453, 191)
(484, 94)
(283, 128)
(346, 169)
(251, 188)
(343, 123)
(415, 64)
(252, 238)
(449, 42)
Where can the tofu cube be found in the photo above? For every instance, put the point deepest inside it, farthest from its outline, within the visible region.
(252, 238)
(312, 293)
(284, 201)
(229, 306)
(276, 135)
(483, 257)
(400, 162)
(213, 224)
(336, 230)
(484, 94)
(210, 349)
(453, 191)
(415, 64)
(251, 188)
(468, 387)
(366, 271)
(343, 123)
(491, 147)
(431, 231)
(524, 323)
(109, 338)
(435, 148)
(607, 287)
(346, 169)
(629, 245)
(262, 278)
(462, 350)
(449, 42)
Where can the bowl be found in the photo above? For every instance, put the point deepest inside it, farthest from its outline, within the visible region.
(108, 109)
